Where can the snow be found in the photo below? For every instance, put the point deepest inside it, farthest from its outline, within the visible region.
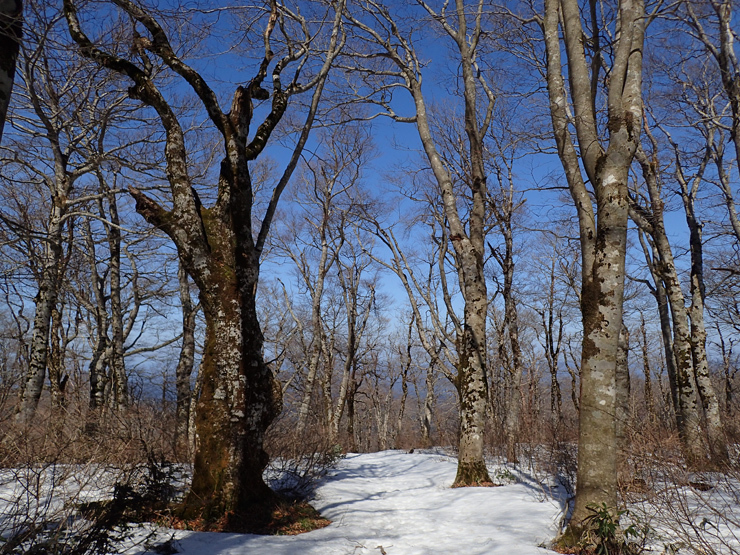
(402, 502)
(392, 503)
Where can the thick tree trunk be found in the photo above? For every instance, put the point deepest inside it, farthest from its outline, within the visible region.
(238, 400)
(603, 235)
(472, 386)
(239, 395)
(11, 23)
(602, 323)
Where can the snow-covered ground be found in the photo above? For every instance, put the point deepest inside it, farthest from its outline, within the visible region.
(401, 503)
(390, 503)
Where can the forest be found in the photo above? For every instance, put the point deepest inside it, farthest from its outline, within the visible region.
(241, 241)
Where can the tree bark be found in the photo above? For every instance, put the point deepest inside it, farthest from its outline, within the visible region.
(11, 26)
(647, 372)
(46, 300)
(603, 235)
(467, 237)
(715, 426)
(623, 390)
(185, 362)
(681, 368)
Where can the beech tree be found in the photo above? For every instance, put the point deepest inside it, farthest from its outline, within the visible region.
(315, 238)
(606, 155)
(695, 398)
(63, 111)
(388, 60)
(217, 246)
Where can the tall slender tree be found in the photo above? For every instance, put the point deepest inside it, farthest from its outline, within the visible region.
(603, 231)
(390, 40)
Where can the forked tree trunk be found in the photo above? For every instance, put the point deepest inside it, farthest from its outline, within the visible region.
(46, 300)
(676, 333)
(603, 235)
(715, 427)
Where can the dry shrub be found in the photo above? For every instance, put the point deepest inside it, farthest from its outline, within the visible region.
(297, 463)
(688, 512)
(71, 480)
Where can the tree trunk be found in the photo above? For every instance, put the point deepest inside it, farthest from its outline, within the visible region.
(239, 395)
(46, 300)
(681, 369)
(427, 408)
(11, 24)
(119, 380)
(317, 343)
(101, 349)
(623, 390)
(602, 323)
(57, 352)
(351, 439)
(511, 323)
(647, 372)
(466, 233)
(715, 426)
(186, 361)
(603, 236)
(238, 401)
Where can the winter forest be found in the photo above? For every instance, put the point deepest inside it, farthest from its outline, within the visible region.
(250, 251)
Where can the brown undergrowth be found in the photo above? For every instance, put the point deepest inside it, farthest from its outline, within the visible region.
(283, 518)
(477, 485)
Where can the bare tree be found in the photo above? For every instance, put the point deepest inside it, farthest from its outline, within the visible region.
(390, 44)
(687, 355)
(186, 359)
(603, 232)
(322, 203)
(239, 396)
(61, 110)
